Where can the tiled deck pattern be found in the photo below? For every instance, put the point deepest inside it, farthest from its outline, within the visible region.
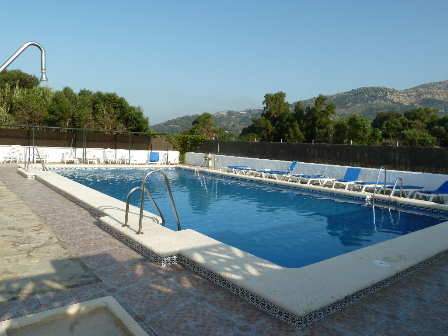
(175, 301)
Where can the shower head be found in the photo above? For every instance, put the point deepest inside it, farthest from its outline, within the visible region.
(43, 78)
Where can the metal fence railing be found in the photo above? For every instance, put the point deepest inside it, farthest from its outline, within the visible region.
(47, 136)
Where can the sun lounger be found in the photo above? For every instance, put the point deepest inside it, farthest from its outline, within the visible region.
(317, 179)
(351, 176)
(299, 177)
(69, 157)
(238, 169)
(277, 174)
(362, 186)
(173, 158)
(133, 160)
(164, 159)
(408, 190)
(90, 157)
(153, 158)
(15, 154)
(109, 156)
(429, 195)
(42, 156)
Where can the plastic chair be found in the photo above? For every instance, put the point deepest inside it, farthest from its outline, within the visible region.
(153, 158)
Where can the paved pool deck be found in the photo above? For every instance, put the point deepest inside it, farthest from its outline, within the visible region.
(174, 300)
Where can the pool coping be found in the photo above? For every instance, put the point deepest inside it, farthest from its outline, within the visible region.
(298, 296)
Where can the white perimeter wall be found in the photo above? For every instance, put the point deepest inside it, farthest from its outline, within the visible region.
(426, 180)
(55, 153)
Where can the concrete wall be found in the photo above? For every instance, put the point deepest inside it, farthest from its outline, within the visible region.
(416, 159)
(426, 180)
(55, 153)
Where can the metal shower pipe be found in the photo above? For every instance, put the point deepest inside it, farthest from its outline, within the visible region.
(43, 78)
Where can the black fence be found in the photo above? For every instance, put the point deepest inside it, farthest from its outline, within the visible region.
(416, 159)
(81, 139)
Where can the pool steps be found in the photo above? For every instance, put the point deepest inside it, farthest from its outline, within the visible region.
(142, 202)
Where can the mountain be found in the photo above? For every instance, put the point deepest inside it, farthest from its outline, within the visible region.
(232, 121)
(367, 101)
(174, 126)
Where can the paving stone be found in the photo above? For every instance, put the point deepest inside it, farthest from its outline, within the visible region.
(429, 317)
(34, 260)
(191, 319)
(394, 328)
(170, 300)
(355, 319)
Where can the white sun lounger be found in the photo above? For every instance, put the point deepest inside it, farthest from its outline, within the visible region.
(15, 154)
(429, 195)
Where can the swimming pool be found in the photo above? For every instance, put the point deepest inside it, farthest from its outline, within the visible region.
(284, 226)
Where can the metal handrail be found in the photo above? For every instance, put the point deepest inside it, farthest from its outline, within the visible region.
(140, 222)
(29, 157)
(142, 202)
(393, 189)
(377, 180)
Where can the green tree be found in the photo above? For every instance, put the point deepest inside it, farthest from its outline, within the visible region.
(264, 129)
(185, 143)
(204, 125)
(341, 129)
(67, 109)
(382, 117)
(360, 132)
(222, 134)
(317, 118)
(136, 121)
(30, 106)
(392, 128)
(85, 93)
(439, 130)
(18, 78)
(276, 123)
(247, 136)
(417, 138)
(293, 133)
(111, 112)
(7, 96)
(23, 101)
(357, 130)
(423, 114)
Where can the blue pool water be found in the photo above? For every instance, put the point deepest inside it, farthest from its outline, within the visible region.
(284, 226)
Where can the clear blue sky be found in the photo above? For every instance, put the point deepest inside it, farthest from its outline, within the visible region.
(178, 58)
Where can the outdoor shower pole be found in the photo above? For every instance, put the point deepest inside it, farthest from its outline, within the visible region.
(43, 78)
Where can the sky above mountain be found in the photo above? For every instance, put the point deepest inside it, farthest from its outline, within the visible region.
(178, 58)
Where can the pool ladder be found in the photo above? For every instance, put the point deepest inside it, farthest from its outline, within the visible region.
(384, 187)
(29, 157)
(142, 202)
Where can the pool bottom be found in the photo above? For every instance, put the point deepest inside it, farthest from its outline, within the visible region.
(287, 227)
(298, 297)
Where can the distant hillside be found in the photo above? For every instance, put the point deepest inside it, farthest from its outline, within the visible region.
(174, 126)
(231, 121)
(367, 101)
